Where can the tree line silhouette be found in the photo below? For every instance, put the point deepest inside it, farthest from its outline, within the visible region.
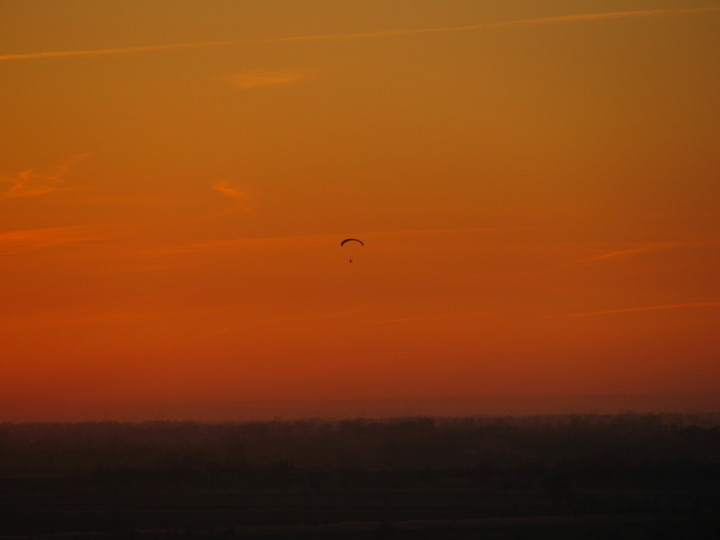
(330, 471)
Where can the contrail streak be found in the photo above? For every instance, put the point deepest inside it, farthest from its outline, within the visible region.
(361, 35)
(630, 310)
(624, 252)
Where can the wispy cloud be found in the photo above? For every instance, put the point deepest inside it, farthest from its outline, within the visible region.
(622, 253)
(148, 268)
(130, 200)
(661, 307)
(260, 78)
(407, 320)
(364, 35)
(425, 232)
(116, 51)
(40, 180)
(244, 201)
(31, 239)
(242, 244)
(92, 313)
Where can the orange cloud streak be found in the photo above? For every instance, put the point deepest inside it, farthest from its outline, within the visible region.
(624, 252)
(30, 239)
(361, 35)
(631, 310)
(37, 181)
(262, 78)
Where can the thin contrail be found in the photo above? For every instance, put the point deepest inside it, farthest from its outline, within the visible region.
(630, 310)
(625, 252)
(361, 35)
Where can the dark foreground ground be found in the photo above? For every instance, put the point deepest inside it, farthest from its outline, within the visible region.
(624, 476)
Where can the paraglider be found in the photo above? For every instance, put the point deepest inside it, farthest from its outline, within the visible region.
(351, 240)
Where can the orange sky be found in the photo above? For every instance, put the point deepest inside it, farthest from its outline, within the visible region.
(537, 184)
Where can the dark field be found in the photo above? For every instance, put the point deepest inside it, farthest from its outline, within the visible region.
(590, 476)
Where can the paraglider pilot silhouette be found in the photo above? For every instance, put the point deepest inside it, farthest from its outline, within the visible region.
(351, 240)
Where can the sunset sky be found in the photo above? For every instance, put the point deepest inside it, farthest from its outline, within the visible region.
(537, 184)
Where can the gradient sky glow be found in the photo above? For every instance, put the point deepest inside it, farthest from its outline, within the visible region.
(537, 184)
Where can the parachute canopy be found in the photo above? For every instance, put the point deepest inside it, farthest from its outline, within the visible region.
(351, 240)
